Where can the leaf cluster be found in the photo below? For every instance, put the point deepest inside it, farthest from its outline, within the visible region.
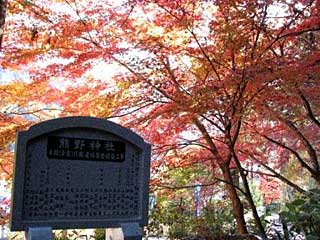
(303, 215)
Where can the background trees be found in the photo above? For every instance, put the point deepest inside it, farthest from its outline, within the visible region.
(229, 85)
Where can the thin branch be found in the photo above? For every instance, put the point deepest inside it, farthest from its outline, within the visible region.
(316, 29)
(162, 92)
(259, 91)
(295, 153)
(260, 173)
(130, 112)
(311, 151)
(166, 63)
(195, 143)
(127, 17)
(235, 186)
(36, 111)
(170, 147)
(36, 10)
(308, 108)
(259, 29)
(186, 186)
(206, 55)
(83, 22)
(275, 173)
(212, 122)
(203, 185)
(279, 35)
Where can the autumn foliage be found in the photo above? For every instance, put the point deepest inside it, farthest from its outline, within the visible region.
(223, 84)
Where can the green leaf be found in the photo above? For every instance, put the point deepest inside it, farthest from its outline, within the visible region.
(315, 190)
(312, 237)
(298, 202)
(287, 216)
(313, 206)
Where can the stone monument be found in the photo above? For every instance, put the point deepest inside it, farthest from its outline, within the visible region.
(80, 172)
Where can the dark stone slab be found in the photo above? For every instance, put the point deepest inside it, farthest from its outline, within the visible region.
(80, 172)
(41, 233)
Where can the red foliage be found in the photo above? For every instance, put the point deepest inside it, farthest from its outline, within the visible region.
(200, 81)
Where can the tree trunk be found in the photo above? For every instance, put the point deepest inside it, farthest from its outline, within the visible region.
(234, 197)
(253, 207)
(224, 165)
(3, 9)
(316, 177)
(248, 196)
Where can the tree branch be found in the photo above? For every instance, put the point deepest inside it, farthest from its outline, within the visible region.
(280, 36)
(35, 111)
(3, 10)
(295, 153)
(205, 55)
(208, 138)
(186, 186)
(311, 151)
(274, 173)
(308, 108)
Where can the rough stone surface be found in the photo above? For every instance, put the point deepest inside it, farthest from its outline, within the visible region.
(80, 172)
(131, 231)
(41, 233)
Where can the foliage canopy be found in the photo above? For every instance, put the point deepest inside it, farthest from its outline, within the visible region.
(227, 85)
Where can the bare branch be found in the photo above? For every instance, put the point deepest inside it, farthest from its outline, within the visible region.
(206, 55)
(127, 17)
(274, 173)
(212, 122)
(295, 153)
(36, 111)
(280, 34)
(130, 112)
(308, 108)
(160, 187)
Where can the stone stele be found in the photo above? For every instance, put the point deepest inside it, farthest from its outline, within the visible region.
(79, 172)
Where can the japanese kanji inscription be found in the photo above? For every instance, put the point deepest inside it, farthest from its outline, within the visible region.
(80, 172)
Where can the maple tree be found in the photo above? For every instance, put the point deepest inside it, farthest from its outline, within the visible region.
(290, 115)
(217, 82)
